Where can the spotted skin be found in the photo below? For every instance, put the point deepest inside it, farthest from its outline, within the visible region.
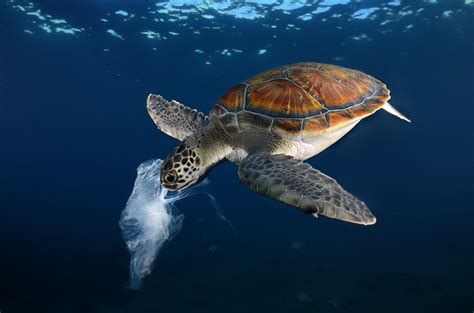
(173, 118)
(293, 182)
(181, 167)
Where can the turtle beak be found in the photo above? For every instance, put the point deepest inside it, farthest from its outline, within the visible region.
(170, 187)
(174, 187)
(168, 179)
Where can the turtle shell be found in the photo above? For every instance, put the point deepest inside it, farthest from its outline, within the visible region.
(301, 101)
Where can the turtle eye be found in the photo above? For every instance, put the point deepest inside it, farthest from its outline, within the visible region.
(170, 177)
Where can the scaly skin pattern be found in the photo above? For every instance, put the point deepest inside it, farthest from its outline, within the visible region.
(173, 118)
(293, 182)
(197, 153)
(264, 169)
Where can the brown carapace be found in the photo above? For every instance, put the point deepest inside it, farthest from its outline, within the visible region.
(306, 99)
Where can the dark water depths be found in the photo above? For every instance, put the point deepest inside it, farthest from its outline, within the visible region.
(73, 129)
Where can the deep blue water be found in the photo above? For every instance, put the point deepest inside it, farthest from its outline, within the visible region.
(73, 129)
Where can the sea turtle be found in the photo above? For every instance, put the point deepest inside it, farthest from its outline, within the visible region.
(269, 124)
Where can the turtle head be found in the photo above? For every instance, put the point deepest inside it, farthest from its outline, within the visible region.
(181, 169)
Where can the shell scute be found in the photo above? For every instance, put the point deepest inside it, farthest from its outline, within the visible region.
(361, 111)
(355, 80)
(315, 124)
(229, 121)
(218, 110)
(234, 99)
(281, 98)
(287, 128)
(328, 91)
(339, 117)
(249, 120)
(276, 73)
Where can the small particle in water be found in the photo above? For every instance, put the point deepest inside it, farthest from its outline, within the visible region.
(262, 51)
(212, 248)
(46, 28)
(305, 17)
(58, 21)
(70, 31)
(114, 33)
(151, 34)
(297, 245)
(304, 297)
(122, 12)
(361, 37)
(339, 303)
(225, 52)
(447, 13)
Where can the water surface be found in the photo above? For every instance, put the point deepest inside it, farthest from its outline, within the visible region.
(74, 77)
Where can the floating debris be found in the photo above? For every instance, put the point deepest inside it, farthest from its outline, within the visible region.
(151, 34)
(339, 303)
(212, 248)
(447, 13)
(58, 21)
(69, 31)
(304, 297)
(122, 12)
(46, 28)
(297, 245)
(114, 34)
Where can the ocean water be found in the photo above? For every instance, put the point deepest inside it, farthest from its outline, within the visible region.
(74, 77)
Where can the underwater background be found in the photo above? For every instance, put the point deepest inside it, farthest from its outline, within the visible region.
(74, 77)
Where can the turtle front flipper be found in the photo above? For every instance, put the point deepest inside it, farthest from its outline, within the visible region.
(173, 118)
(293, 182)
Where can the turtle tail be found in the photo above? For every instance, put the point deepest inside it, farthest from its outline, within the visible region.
(390, 109)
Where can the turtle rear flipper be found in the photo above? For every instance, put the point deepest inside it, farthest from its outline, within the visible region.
(293, 182)
(173, 118)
